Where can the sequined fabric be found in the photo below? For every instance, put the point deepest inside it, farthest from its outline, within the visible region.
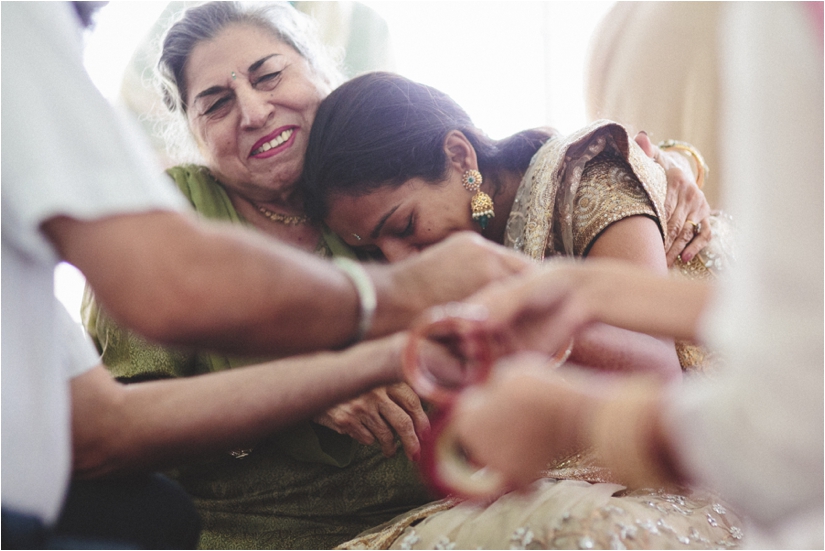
(577, 186)
(568, 514)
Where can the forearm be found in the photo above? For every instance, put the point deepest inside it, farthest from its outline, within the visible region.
(625, 428)
(647, 303)
(155, 424)
(212, 287)
(178, 281)
(526, 418)
(608, 348)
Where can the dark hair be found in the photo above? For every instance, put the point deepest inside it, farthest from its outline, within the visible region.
(206, 21)
(383, 129)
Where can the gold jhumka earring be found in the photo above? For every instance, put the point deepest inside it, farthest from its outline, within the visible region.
(481, 204)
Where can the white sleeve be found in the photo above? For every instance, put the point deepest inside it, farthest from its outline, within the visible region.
(80, 355)
(756, 435)
(65, 151)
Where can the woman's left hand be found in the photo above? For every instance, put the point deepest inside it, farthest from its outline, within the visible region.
(686, 208)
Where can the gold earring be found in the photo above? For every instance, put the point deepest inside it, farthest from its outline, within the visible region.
(481, 205)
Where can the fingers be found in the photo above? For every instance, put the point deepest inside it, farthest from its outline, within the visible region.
(341, 420)
(403, 395)
(377, 425)
(700, 240)
(407, 418)
(403, 425)
(380, 415)
(683, 238)
(647, 146)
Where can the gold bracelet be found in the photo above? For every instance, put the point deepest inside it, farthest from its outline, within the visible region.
(701, 166)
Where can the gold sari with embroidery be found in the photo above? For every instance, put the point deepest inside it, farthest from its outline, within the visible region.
(577, 186)
(573, 190)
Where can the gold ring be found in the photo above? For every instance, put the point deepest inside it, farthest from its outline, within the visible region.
(696, 227)
(702, 169)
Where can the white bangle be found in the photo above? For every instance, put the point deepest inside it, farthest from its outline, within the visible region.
(367, 297)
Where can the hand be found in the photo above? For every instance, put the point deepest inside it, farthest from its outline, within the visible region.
(519, 421)
(684, 202)
(538, 310)
(448, 271)
(379, 415)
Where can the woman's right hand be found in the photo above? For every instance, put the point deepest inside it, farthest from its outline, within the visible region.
(380, 414)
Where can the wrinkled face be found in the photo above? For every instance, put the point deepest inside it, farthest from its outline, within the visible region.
(400, 221)
(253, 127)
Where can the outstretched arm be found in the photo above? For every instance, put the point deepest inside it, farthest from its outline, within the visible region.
(636, 240)
(574, 413)
(149, 425)
(179, 281)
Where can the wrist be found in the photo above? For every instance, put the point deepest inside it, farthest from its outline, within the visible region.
(382, 357)
(396, 308)
(626, 432)
(365, 292)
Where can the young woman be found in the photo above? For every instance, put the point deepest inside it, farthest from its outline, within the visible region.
(393, 167)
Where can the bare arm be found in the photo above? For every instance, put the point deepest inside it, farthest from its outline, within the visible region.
(148, 425)
(635, 239)
(179, 281)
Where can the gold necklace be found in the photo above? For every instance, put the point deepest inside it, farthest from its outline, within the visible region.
(283, 218)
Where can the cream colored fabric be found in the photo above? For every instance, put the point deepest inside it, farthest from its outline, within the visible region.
(653, 67)
(756, 434)
(569, 514)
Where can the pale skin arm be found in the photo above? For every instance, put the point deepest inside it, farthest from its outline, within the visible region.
(637, 240)
(179, 281)
(490, 419)
(559, 300)
(122, 428)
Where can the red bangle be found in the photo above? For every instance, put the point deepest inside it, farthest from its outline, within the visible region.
(454, 341)
(448, 470)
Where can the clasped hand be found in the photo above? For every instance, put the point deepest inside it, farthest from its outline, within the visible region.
(379, 415)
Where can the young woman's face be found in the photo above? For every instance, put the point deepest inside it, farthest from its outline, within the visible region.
(400, 221)
(251, 102)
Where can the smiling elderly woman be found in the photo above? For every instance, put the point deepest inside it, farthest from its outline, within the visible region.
(247, 82)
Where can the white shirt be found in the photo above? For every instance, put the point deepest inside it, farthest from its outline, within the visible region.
(757, 435)
(64, 153)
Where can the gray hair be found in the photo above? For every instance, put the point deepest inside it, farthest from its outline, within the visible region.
(204, 22)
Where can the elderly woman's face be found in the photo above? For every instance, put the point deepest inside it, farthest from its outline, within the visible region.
(251, 102)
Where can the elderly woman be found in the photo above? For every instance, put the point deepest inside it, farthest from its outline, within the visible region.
(247, 82)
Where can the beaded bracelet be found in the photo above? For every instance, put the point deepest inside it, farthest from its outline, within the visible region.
(367, 297)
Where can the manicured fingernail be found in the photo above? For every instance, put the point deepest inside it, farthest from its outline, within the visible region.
(642, 132)
(686, 258)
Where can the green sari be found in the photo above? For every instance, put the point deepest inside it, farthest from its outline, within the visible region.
(306, 487)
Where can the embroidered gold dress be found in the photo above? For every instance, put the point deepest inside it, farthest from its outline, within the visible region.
(573, 190)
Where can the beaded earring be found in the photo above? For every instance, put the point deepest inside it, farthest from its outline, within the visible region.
(481, 204)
